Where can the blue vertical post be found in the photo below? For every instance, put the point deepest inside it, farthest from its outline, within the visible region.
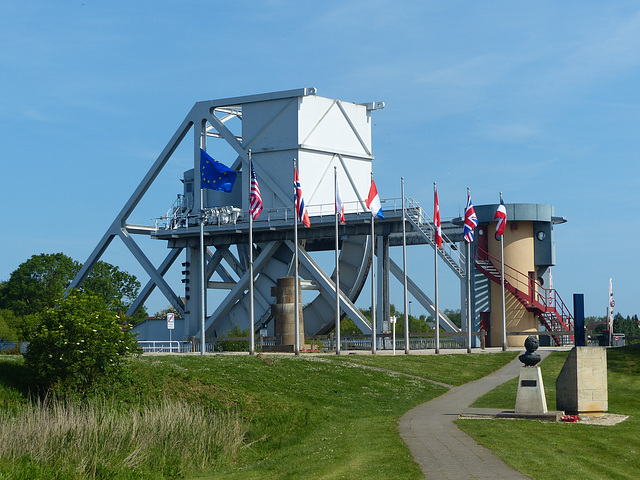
(578, 317)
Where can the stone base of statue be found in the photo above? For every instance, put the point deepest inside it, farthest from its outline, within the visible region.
(530, 398)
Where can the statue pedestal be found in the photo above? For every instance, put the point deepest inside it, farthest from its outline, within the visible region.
(530, 398)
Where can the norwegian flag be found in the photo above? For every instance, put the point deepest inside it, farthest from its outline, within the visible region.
(501, 217)
(303, 216)
(436, 219)
(255, 200)
(470, 220)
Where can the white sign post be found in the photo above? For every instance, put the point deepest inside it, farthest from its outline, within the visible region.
(171, 324)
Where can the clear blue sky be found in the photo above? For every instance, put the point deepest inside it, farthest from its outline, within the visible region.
(539, 100)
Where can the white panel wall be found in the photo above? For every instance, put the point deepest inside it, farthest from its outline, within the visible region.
(315, 131)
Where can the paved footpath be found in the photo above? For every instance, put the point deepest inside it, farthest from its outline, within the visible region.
(441, 448)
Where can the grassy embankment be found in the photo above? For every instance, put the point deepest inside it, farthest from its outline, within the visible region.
(560, 451)
(273, 417)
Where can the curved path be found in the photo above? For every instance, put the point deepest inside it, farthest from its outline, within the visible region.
(441, 448)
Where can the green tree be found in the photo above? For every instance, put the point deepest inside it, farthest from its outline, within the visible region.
(78, 344)
(38, 283)
(117, 288)
(628, 326)
(8, 325)
(455, 316)
(416, 325)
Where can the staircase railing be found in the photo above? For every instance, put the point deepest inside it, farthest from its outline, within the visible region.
(422, 222)
(545, 302)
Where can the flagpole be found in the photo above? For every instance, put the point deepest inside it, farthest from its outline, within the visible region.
(469, 263)
(203, 287)
(251, 308)
(436, 307)
(296, 287)
(504, 313)
(404, 267)
(337, 322)
(374, 340)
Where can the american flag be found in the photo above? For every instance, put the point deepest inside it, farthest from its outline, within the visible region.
(255, 200)
(470, 220)
(501, 217)
(303, 216)
(436, 219)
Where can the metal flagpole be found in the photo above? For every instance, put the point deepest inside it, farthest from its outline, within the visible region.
(436, 308)
(337, 324)
(504, 313)
(296, 286)
(373, 282)
(404, 267)
(469, 263)
(469, 297)
(296, 302)
(203, 285)
(252, 340)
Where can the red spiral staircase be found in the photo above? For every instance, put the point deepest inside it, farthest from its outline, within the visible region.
(545, 303)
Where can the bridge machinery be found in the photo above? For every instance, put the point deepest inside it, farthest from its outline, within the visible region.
(321, 133)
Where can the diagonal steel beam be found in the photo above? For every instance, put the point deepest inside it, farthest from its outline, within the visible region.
(422, 298)
(328, 287)
(133, 201)
(241, 285)
(150, 286)
(152, 272)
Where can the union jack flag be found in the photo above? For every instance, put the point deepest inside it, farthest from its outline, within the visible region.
(255, 200)
(303, 216)
(470, 220)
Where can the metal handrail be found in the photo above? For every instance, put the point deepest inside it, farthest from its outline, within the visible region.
(454, 254)
(548, 298)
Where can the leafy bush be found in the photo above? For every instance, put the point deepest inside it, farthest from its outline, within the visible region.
(236, 345)
(78, 344)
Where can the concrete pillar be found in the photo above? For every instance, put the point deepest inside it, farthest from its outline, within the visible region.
(284, 312)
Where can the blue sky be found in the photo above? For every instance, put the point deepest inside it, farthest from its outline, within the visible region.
(539, 100)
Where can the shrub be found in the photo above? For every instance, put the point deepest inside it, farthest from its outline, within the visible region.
(236, 345)
(78, 344)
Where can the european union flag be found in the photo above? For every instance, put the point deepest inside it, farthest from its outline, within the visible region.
(215, 175)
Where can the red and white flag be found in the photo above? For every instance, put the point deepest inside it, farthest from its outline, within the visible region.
(501, 217)
(301, 211)
(436, 219)
(255, 200)
(339, 202)
(373, 201)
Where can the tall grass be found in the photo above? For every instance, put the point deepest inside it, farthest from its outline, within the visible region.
(98, 439)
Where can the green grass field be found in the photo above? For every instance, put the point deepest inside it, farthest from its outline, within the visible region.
(310, 416)
(549, 451)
